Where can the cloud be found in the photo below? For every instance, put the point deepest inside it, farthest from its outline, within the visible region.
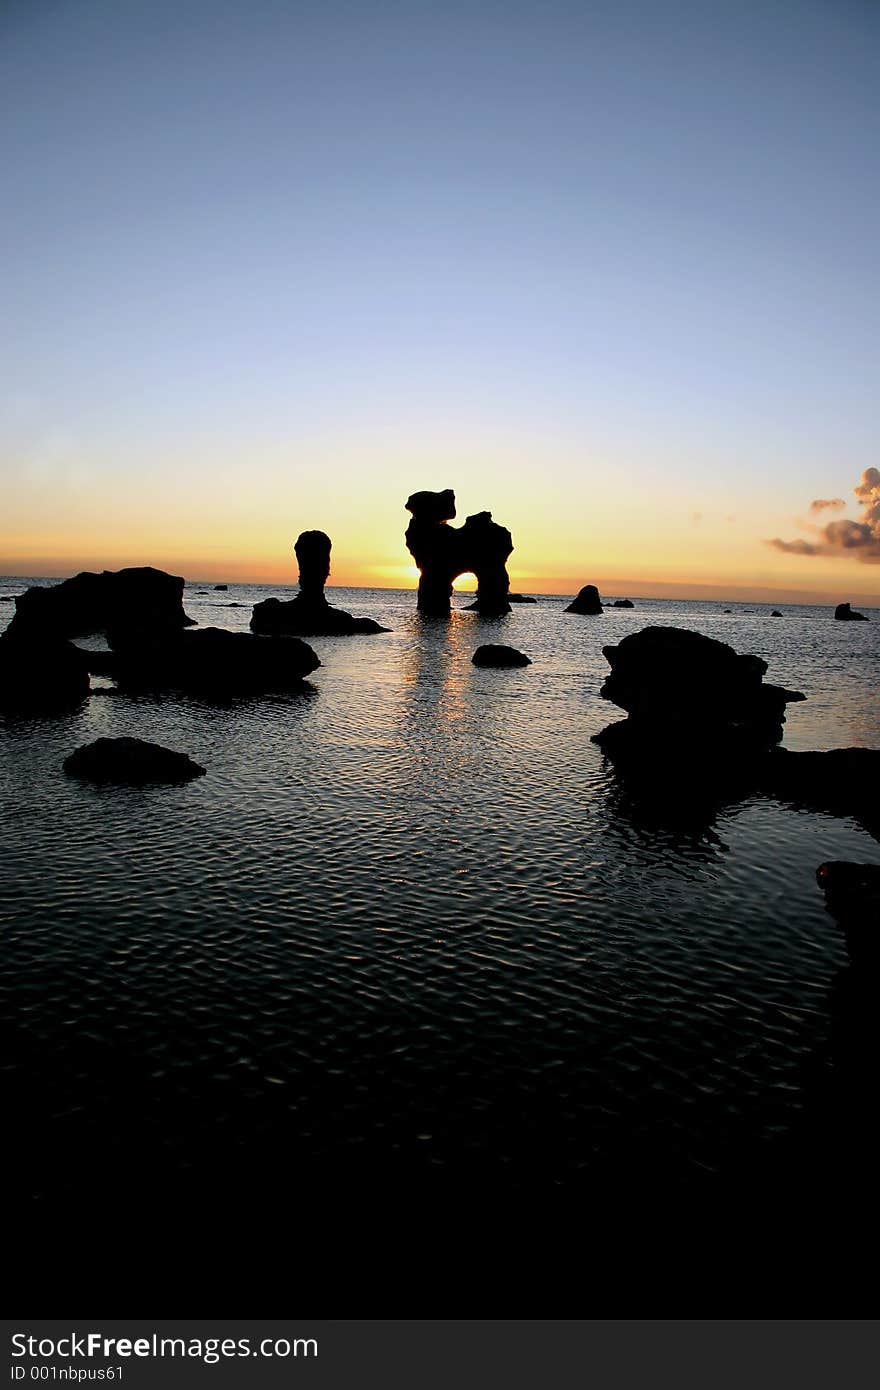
(823, 504)
(794, 547)
(854, 539)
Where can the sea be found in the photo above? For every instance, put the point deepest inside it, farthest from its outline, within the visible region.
(404, 970)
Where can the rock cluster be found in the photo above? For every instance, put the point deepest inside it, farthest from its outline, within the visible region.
(443, 552)
(309, 614)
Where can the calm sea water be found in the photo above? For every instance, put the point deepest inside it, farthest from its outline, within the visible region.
(404, 940)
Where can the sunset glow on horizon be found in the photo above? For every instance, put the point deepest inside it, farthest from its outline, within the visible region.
(606, 270)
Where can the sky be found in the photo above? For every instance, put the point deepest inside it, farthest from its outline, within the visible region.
(607, 269)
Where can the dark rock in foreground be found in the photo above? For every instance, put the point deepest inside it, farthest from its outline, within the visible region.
(844, 614)
(852, 891)
(309, 614)
(495, 654)
(130, 761)
(673, 677)
(587, 602)
(444, 552)
(843, 781)
(703, 726)
(41, 675)
(701, 721)
(852, 896)
(213, 662)
(141, 597)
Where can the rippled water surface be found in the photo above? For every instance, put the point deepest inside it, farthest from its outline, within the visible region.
(406, 932)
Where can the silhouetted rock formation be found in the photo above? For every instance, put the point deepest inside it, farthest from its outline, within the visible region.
(852, 896)
(212, 662)
(141, 597)
(700, 715)
(130, 761)
(220, 588)
(41, 674)
(703, 726)
(775, 613)
(673, 676)
(309, 614)
(443, 552)
(495, 654)
(844, 614)
(587, 602)
(623, 603)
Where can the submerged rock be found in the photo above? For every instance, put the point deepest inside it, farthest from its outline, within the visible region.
(443, 553)
(844, 614)
(41, 675)
(89, 603)
(495, 654)
(309, 614)
(587, 602)
(213, 662)
(130, 761)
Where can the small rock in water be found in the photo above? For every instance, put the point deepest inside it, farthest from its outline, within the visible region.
(494, 654)
(623, 603)
(587, 602)
(776, 613)
(845, 614)
(220, 588)
(130, 761)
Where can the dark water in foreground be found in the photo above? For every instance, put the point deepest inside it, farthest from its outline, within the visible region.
(402, 972)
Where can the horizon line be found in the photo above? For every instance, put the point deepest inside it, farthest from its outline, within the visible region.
(744, 593)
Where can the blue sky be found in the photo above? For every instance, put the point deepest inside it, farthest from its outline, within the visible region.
(599, 267)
